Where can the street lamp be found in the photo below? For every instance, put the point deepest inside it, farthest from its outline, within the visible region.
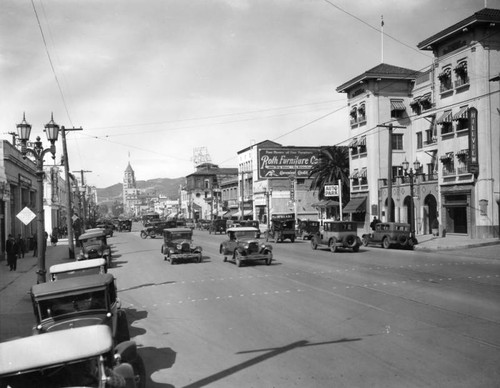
(412, 173)
(38, 152)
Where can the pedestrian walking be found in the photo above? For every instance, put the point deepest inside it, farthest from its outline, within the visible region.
(53, 237)
(12, 251)
(21, 246)
(35, 244)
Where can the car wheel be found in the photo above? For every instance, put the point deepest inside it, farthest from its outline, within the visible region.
(364, 240)
(411, 243)
(225, 259)
(351, 241)
(386, 243)
(143, 235)
(237, 258)
(292, 239)
(152, 236)
(333, 245)
(355, 248)
(314, 243)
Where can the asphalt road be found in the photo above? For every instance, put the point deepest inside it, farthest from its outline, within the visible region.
(377, 318)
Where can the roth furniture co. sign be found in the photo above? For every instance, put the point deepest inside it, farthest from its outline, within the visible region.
(287, 162)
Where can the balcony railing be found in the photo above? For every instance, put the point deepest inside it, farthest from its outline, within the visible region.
(448, 172)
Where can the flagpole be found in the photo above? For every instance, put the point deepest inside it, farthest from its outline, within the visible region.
(382, 38)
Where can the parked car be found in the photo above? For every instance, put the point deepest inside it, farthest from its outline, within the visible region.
(282, 228)
(155, 228)
(82, 356)
(390, 234)
(125, 225)
(108, 228)
(218, 226)
(79, 301)
(232, 224)
(178, 246)
(93, 245)
(337, 234)
(251, 223)
(77, 268)
(307, 229)
(244, 246)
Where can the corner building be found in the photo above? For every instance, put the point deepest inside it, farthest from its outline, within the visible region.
(446, 118)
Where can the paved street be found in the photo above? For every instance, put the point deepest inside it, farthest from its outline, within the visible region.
(377, 318)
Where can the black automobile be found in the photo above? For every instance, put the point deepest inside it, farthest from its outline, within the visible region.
(218, 226)
(155, 228)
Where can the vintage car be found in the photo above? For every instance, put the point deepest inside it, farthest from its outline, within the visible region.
(80, 357)
(218, 226)
(251, 223)
(77, 268)
(79, 301)
(178, 246)
(93, 245)
(307, 229)
(155, 228)
(282, 228)
(390, 234)
(108, 228)
(244, 246)
(124, 225)
(337, 234)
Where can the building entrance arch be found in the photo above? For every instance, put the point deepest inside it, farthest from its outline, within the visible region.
(430, 213)
(393, 216)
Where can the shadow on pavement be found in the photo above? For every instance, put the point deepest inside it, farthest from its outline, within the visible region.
(155, 360)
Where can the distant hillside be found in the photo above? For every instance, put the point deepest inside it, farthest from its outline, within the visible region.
(165, 186)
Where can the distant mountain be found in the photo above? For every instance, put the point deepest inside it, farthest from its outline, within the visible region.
(166, 186)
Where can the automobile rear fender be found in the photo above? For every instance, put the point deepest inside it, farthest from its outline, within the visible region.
(126, 351)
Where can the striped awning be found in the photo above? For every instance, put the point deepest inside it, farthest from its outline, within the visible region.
(353, 143)
(462, 153)
(447, 156)
(462, 114)
(363, 173)
(425, 98)
(355, 205)
(355, 174)
(362, 141)
(397, 105)
(445, 118)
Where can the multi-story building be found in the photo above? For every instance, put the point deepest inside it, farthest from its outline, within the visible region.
(131, 195)
(203, 191)
(273, 179)
(446, 119)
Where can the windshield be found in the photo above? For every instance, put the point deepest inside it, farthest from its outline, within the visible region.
(180, 236)
(248, 235)
(92, 241)
(82, 373)
(94, 300)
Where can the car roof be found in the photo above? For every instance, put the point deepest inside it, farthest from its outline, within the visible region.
(76, 265)
(394, 223)
(243, 229)
(71, 284)
(54, 348)
(91, 234)
(177, 230)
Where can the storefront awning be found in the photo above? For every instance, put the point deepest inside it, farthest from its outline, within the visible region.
(355, 205)
(324, 203)
(462, 114)
(245, 213)
(229, 213)
(445, 118)
(397, 105)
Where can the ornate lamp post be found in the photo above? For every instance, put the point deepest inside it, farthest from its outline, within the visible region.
(38, 152)
(411, 174)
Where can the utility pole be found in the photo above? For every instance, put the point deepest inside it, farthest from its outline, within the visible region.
(389, 170)
(69, 216)
(84, 203)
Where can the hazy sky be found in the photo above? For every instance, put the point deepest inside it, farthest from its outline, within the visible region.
(151, 80)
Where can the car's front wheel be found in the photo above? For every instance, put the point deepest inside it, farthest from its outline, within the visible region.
(333, 245)
(386, 243)
(139, 372)
(314, 243)
(144, 234)
(364, 241)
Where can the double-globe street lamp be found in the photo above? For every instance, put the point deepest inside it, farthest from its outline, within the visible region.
(38, 152)
(411, 174)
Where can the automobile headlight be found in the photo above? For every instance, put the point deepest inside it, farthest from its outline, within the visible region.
(246, 246)
(179, 246)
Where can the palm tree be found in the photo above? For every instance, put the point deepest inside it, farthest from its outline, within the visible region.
(333, 166)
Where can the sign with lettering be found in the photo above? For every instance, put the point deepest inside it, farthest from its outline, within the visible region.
(473, 148)
(331, 190)
(287, 162)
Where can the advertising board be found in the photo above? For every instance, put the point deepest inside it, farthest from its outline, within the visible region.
(287, 162)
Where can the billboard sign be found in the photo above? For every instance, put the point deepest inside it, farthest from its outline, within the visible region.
(331, 190)
(287, 162)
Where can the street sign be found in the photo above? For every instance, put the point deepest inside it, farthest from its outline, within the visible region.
(331, 190)
(26, 216)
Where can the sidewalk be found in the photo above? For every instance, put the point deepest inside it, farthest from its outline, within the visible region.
(429, 242)
(16, 313)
